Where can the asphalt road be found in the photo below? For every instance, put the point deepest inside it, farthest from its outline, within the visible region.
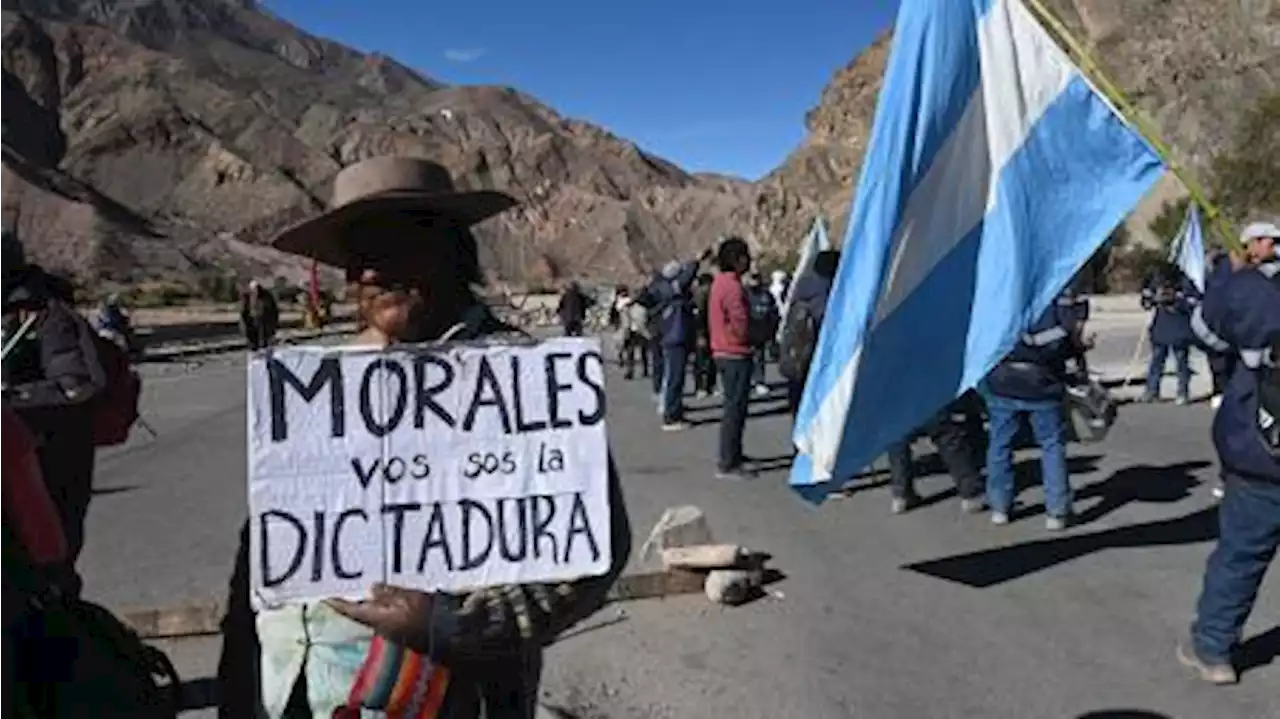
(928, 614)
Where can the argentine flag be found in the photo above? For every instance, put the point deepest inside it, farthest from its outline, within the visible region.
(994, 171)
(814, 242)
(1187, 251)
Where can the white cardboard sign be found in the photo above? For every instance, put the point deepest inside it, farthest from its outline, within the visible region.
(444, 468)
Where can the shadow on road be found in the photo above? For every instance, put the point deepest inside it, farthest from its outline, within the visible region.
(1123, 714)
(103, 491)
(1139, 483)
(991, 567)
(752, 413)
(1259, 651)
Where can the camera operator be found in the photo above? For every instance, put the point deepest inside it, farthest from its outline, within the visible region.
(1172, 297)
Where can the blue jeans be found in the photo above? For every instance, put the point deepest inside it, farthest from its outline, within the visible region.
(1004, 414)
(673, 371)
(1248, 534)
(1159, 356)
(655, 354)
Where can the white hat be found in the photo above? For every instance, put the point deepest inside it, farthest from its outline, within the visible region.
(1260, 230)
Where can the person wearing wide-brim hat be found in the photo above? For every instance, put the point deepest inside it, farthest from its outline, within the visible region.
(402, 233)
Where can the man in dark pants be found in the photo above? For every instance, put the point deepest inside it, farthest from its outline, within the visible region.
(50, 379)
(670, 298)
(957, 434)
(729, 315)
(1241, 313)
(1171, 297)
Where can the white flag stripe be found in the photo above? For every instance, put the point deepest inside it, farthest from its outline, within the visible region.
(1023, 72)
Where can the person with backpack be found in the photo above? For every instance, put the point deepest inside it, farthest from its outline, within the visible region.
(763, 329)
(52, 377)
(1241, 314)
(804, 318)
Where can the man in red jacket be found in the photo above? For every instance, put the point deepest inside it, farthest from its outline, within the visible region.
(729, 318)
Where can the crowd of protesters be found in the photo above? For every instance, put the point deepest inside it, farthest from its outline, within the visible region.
(480, 653)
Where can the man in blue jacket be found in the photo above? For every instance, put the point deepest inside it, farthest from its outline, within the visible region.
(1031, 381)
(1172, 297)
(1241, 313)
(670, 298)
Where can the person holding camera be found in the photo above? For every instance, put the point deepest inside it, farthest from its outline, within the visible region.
(1172, 297)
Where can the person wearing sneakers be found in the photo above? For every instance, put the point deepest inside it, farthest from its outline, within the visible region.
(1030, 382)
(729, 317)
(1241, 313)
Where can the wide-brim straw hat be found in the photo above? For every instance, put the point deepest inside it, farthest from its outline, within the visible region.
(387, 186)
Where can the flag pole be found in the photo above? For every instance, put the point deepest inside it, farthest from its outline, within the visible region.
(1130, 112)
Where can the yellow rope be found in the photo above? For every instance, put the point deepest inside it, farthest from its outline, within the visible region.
(1137, 118)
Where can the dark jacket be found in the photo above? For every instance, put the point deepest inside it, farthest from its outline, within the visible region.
(1172, 297)
(572, 308)
(51, 380)
(260, 313)
(671, 300)
(491, 640)
(1241, 315)
(1035, 369)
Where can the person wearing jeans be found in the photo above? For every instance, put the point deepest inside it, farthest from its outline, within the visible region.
(1172, 297)
(1045, 416)
(670, 297)
(1155, 371)
(1241, 314)
(1030, 382)
(729, 317)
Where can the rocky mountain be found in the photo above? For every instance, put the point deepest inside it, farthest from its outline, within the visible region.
(172, 138)
(1193, 66)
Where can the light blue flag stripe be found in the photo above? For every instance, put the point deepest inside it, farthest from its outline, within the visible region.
(974, 209)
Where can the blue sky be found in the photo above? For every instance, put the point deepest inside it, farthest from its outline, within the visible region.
(712, 85)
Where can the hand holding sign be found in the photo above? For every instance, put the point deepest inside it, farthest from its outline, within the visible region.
(438, 468)
(400, 615)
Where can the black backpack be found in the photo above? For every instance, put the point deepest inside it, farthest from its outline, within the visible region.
(799, 340)
(79, 660)
(763, 324)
